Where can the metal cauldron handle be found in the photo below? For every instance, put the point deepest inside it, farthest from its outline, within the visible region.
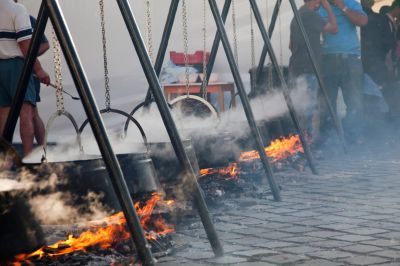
(9, 149)
(137, 107)
(176, 100)
(50, 122)
(129, 118)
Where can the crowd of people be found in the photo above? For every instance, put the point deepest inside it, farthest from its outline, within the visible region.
(345, 60)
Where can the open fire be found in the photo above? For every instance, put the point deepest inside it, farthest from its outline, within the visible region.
(278, 150)
(108, 232)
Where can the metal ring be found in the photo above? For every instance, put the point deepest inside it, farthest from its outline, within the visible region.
(197, 98)
(50, 122)
(128, 116)
(137, 107)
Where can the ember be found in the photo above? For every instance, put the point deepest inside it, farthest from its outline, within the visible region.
(279, 149)
(106, 233)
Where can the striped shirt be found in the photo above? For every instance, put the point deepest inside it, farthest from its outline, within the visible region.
(15, 26)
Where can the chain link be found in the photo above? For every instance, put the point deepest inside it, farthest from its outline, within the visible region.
(234, 28)
(58, 73)
(149, 31)
(105, 61)
(205, 46)
(185, 44)
(253, 48)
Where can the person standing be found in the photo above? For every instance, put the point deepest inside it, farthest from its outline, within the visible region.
(15, 38)
(342, 67)
(300, 67)
(38, 124)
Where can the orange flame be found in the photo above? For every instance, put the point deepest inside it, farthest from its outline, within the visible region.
(278, 149)
(105, 233)
(230, 172)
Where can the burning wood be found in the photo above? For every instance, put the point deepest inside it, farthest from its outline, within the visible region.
(230, 172)
(107, 233)
(279, 149)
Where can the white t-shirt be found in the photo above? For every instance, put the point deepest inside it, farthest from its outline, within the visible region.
(15, 26)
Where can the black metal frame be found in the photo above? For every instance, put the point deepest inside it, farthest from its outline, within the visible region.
(51, 8)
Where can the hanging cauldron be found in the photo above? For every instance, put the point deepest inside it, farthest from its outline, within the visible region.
(19, 230)
(138, 168)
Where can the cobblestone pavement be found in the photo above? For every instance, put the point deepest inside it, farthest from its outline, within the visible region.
(347, 215)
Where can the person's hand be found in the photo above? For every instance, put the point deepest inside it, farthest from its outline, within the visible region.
(42, 76)
(339, 3)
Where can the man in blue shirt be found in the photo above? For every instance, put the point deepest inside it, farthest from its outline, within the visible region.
(342, 65)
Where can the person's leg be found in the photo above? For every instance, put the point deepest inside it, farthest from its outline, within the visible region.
(26, 127)
(39, 127)
(352, 82)
(3, 117)
(330, 72)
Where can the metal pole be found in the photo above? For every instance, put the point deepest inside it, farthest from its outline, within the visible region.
(332, 112)
(270, 31)
(285, 89)
(214, 49)
(25, 75)
(164, 42)
(245, 101)
(158, 95)
(99, 131)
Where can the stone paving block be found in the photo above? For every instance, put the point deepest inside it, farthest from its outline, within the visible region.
(255, 263)
(319, 262)
(227, 227)
(391, 254)
(285, 259)
(297, 229)
(337, 226)
(303, 239)
(227, 260)
(364, 260)
(352, 238)
(275, 235)
(364, 231)
(300, 250)
(229, 235)
(330, 254)
(229, 248)
(250, 231)
(310, 222)
(391, 235)
(323, 234)
(255, 252)
(358, 248)
(196, 254)
(381, 242)
(330, 243)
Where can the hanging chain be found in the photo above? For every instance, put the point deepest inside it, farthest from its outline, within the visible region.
(149, 31)
(234, 28)
(185, 44)
(57, 73)
(270, 80)
(253, 48)
(280, 42)
(205, 46)
(105, 63)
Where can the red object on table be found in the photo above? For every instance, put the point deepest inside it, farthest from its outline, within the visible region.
(194, 59)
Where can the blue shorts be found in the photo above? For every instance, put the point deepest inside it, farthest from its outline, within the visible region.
(37, 88)
(10, 70)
